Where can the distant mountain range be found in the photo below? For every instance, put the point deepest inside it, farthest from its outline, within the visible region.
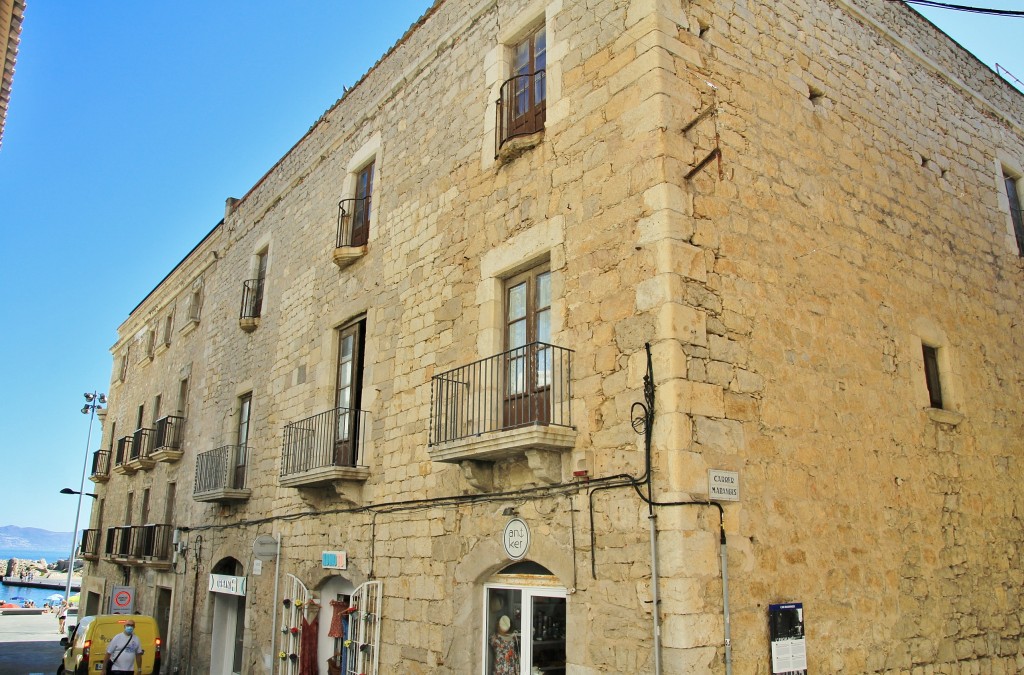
(16, 538)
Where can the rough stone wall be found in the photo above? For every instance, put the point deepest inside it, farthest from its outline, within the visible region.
(786, 295)
(857, 219)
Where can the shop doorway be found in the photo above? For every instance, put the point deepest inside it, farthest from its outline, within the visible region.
(335, 615)
(524, 622)
(228, 624)
(162, 614)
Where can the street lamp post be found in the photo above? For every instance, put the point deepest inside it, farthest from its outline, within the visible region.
(93, 402)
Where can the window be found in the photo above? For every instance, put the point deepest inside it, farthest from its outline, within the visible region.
(524, 625)
(527, 347)
(165, 339)
(144, 515)
(244, 414)
(169, 503)
(522, 105)
(183, 397)
(1016, 214)
(156, 408)
(123, 374)
(252, 290)
(931, 376)
(361, 205)
(195, 305)
(128, 509)
(348, 392)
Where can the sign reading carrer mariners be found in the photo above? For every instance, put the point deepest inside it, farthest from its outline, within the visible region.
(723, 486)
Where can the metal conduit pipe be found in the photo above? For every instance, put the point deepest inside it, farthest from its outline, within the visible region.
(725, 604)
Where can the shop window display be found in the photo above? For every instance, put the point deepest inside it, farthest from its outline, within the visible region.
(525, 630)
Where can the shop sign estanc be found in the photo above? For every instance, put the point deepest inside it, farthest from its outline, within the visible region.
(225, 583)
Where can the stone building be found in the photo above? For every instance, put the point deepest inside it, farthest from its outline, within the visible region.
(564, 304)
(12, 12)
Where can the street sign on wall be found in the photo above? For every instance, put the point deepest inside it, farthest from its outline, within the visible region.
(122, 600)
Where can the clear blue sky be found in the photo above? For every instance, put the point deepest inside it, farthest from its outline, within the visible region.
(129, 125)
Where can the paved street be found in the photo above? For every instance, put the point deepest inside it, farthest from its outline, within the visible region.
(29, 644)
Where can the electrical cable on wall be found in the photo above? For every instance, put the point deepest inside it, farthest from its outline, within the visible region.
(964, 8)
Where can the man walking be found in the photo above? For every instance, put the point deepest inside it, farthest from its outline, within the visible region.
(124, 653)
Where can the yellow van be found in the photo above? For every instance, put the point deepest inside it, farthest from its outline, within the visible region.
(87, 646)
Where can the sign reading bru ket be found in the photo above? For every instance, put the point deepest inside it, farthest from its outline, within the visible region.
(516, 539)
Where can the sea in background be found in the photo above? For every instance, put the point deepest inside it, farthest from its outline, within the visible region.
(37, 595)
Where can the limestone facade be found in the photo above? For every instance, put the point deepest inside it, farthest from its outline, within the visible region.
(800, 206)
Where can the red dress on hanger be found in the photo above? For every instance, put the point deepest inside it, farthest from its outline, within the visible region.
(308, 646)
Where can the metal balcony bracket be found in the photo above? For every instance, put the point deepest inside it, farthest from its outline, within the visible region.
(480, 475)
(707, 160)
(546, 465)
(700, 117)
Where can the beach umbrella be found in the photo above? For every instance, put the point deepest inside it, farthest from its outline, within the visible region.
(17, 598)
(73, 600)
(56, 597)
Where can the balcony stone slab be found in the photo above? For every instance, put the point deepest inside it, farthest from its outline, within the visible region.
(326, 475)
(223, 495)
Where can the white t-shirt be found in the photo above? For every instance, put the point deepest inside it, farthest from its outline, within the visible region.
(126, 661)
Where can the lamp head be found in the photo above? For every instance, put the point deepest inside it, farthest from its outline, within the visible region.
(103, 398)
(89, 397)
(67, 491)
(85, 409)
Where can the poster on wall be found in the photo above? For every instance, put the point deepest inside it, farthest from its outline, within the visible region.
(789, 646)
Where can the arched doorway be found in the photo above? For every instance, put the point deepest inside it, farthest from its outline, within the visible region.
(335, 598)
(524, 622)
(228, 619)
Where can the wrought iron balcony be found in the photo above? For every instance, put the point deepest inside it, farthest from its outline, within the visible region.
(90, 546)
(138, 544)
(252, 304)
(521, 109)
(122, 455)
(353, 230)
(138, 457)
(167, 439)
(220, 475)
(118, 542)
(100, 466)
(324, 448)
(151, 544)
(514, 403)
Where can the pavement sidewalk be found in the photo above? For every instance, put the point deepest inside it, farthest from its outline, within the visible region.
(29, 645)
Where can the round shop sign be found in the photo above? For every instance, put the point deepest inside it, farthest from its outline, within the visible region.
(516, 539)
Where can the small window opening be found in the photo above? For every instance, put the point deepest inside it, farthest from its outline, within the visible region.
(702, 29)
(815, 95)
(931, 376)
(1016, 213)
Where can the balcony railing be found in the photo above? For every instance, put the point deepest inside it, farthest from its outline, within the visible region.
(151, 543)
(221, 469)
(100, 465)
(168, 433)
(353, 222)
(118, 541)
(252, 299)
(529, 385)
(522, 107)
(330, 439)
(141, 443)
(90, 546)
(124, 450)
